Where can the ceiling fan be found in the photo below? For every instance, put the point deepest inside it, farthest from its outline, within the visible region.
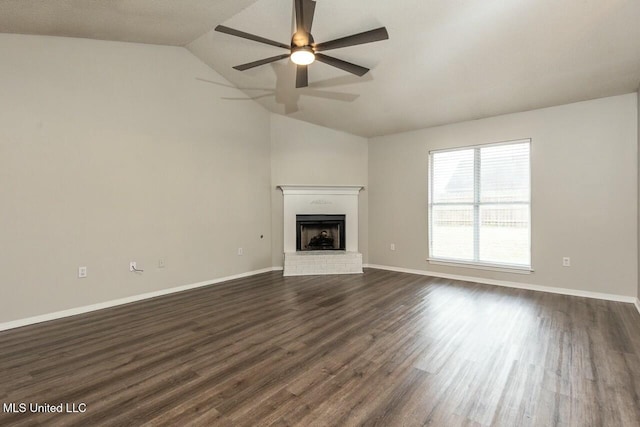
(303, 50)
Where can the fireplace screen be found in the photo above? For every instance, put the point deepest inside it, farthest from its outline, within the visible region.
(320, 232)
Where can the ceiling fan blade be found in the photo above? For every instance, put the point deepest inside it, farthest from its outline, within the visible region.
(304, 14)
(355, 39)
(238, 33)
(253, 64)
(343, 65)
(302, 76)
(297, 4)
(309, 11)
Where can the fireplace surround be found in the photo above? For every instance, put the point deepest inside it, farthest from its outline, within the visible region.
(330, 244)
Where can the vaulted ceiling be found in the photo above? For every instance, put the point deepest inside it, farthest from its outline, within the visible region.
(445, 61)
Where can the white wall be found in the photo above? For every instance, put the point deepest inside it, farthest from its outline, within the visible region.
(638, 127)
(584, 193)
(304, 153)
(111, 152)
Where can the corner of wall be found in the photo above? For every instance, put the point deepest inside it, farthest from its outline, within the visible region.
(638, 182)
(294, 143)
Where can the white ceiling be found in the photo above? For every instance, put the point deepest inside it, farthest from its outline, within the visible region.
(168, 22)
(446, 60)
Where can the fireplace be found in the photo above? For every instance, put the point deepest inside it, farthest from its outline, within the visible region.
(320, 232)
(316, 220)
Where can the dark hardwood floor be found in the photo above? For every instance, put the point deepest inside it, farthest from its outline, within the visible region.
(383, 348)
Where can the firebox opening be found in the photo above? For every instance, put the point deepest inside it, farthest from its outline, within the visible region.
(320, 232)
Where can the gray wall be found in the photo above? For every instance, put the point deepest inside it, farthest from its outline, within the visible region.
(638, 248)
(304, 153)
(111, 152)
(584, 193)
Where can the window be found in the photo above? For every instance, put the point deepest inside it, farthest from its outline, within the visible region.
(480, 205)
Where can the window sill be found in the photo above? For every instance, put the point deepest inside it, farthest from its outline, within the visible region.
(482, 266)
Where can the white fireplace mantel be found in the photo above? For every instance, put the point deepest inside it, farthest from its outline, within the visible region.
(305, 190)
(321, 199)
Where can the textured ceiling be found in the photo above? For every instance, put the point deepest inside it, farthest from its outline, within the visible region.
(446, 61)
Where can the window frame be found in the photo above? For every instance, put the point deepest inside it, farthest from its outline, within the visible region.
(476, 204)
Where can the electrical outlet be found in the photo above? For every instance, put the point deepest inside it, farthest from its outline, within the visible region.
(240, 251)
(162, 263)
(392, 247)
(566, 261)
(82, 272)
(132, 266)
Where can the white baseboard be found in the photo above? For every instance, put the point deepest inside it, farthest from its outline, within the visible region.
(113, 303)
(99, 306)
(507, 284)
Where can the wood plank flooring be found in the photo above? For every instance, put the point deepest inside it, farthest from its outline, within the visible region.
(383, 349)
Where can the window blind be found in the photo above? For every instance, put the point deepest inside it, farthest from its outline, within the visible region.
(480, 203)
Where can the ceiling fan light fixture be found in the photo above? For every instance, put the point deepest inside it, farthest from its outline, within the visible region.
(303, 55)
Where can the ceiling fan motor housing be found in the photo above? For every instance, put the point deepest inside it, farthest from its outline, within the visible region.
(301, 38)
